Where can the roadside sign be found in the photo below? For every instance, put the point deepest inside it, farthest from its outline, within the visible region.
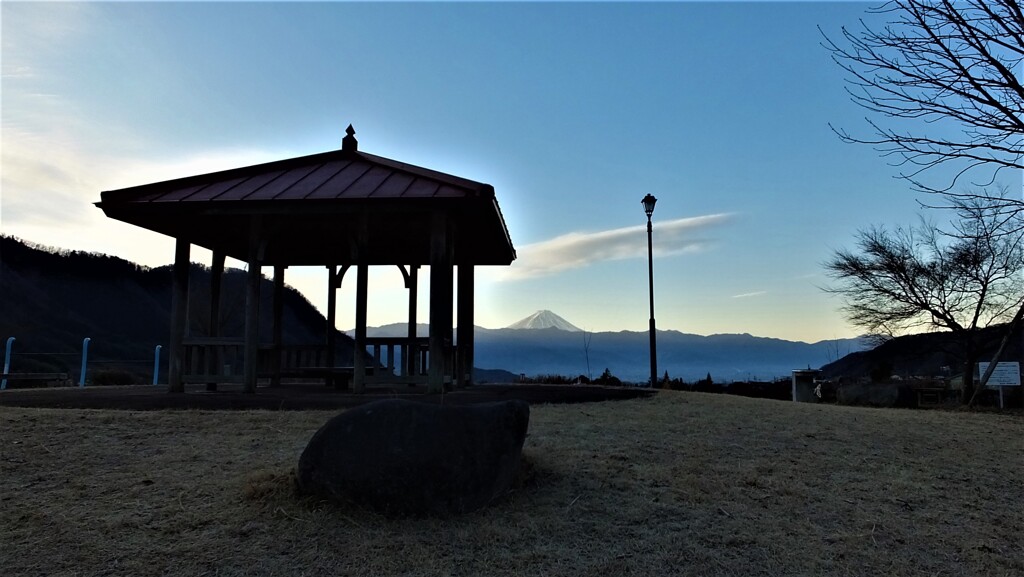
(1004, 375)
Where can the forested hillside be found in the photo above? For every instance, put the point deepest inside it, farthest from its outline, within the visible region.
(924, 355)
(50, 300)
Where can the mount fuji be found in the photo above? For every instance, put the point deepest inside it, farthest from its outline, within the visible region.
(545, 343)
(545, 320)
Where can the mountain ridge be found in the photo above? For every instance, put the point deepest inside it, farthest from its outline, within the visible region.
(400, 329)
(53, 299)
(625, 353)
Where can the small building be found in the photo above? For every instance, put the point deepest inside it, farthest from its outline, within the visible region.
(344, 210)
(804, 385)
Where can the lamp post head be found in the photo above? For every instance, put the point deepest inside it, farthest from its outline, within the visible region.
(648, 203)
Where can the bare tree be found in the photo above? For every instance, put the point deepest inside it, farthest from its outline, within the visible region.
(956, 66)
(919, 278)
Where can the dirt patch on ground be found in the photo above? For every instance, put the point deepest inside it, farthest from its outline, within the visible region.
(681, 484)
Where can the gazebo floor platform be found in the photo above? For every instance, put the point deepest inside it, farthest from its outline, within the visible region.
(295, 397)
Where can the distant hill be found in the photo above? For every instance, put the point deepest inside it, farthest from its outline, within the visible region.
(484, 376)
(50, 300)
(542, 351)
(924, 354)
(626, 354)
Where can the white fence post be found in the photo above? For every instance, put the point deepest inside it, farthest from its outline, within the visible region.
(7, 362)
(85, 359)
(156, 364)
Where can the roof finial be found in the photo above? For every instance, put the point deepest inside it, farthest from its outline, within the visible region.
(349, 143)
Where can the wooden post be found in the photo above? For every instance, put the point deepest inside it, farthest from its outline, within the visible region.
(278, 308)
(213, 357)
(465, 323)
(412, 354)
(359, 354)
(179, 318)
(440, 303)
(216, 282)
(252, 311)
(332, 305)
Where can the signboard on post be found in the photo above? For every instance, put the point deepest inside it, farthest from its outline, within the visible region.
(1004, 375)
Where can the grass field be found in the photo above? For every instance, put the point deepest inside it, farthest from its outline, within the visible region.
(681, 484)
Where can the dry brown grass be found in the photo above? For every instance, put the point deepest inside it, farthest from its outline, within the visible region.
(683, 484)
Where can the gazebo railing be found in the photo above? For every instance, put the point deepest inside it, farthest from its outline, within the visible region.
(221, 360)
(400, 359)
(293, 359)
(213, 360)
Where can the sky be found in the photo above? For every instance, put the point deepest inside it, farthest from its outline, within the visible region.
(572, 111)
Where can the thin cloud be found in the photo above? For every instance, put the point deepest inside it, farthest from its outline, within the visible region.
(51, 179)
(749, 295)
(44, 180)
(580, 249)
(17, 72)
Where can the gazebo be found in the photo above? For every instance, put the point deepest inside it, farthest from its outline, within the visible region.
(344, 209)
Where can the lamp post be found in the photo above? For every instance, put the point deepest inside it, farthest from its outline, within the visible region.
(648, 203)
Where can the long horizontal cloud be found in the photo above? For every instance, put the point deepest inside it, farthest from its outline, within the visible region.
(580, 249)
(750, 295)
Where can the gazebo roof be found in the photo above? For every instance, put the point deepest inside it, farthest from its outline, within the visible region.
(337, 207)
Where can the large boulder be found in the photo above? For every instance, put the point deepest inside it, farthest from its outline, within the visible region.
(409, 458)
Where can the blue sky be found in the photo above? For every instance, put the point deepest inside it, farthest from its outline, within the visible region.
(572, 111)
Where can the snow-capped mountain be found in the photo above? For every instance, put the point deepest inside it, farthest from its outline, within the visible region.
(544, 320)
(555, 346)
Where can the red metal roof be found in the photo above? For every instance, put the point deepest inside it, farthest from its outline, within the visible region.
(329, 175)
(312, 205)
